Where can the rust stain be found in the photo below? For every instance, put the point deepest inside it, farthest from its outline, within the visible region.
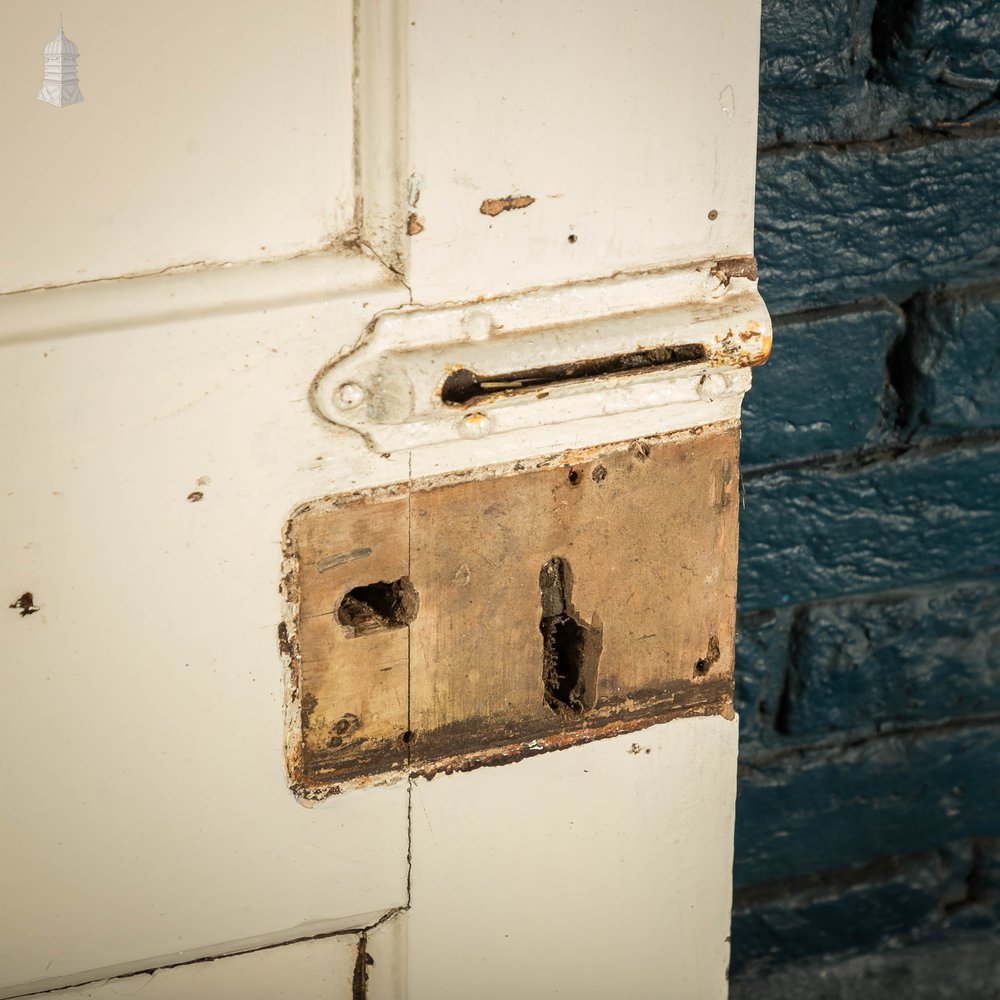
(414, 225)
(735, 267)
(747, 349)
(25, 604)
(765, 349)
(494, 206)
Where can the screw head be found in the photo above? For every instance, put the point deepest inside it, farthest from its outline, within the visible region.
(474, 425)
(348, 396)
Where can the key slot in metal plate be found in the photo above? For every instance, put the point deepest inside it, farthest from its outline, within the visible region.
(596, 349)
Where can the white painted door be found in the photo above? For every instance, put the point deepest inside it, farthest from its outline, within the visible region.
(242, 190)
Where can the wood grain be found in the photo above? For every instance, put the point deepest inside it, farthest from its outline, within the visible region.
(647, 533)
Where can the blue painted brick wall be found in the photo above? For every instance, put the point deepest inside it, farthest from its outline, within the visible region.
(856, 667)
(949, 362)
(840, 224)
(814, 532)
(951, 889)
(840, 805)
(868, 647)
(846, 71)
(783, 424)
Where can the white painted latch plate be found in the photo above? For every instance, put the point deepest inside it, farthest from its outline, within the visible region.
(613, 346)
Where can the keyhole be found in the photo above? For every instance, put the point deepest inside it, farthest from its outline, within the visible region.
(571, 647)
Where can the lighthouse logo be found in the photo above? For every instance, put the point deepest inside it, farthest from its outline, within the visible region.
(60, 85)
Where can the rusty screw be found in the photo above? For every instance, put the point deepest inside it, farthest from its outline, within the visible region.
(475, 425)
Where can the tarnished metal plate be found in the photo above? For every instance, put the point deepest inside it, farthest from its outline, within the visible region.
(601, 348)
(478, 618)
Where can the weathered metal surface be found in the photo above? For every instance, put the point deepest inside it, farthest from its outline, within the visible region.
(482, 617)
(601, 348)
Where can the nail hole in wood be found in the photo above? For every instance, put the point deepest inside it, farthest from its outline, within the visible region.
(640, 451)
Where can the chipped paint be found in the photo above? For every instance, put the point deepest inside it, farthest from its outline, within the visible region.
(494, 206)
(25, 604)
(735, 267)
(746, 348)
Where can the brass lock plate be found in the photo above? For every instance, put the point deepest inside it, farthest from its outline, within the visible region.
(481, 617)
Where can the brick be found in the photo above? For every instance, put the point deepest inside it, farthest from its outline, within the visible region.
(805, 45)
(949, 363)
(922, 65)
(826, 809)
(762, 662)
(863, 111)
(852, 623)
(817, 532)
(861, 666)
(894, 661)
(848, 920)
(824, 388)
(965, 967)
(957, 40)
(919, 897)
(836, 226)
